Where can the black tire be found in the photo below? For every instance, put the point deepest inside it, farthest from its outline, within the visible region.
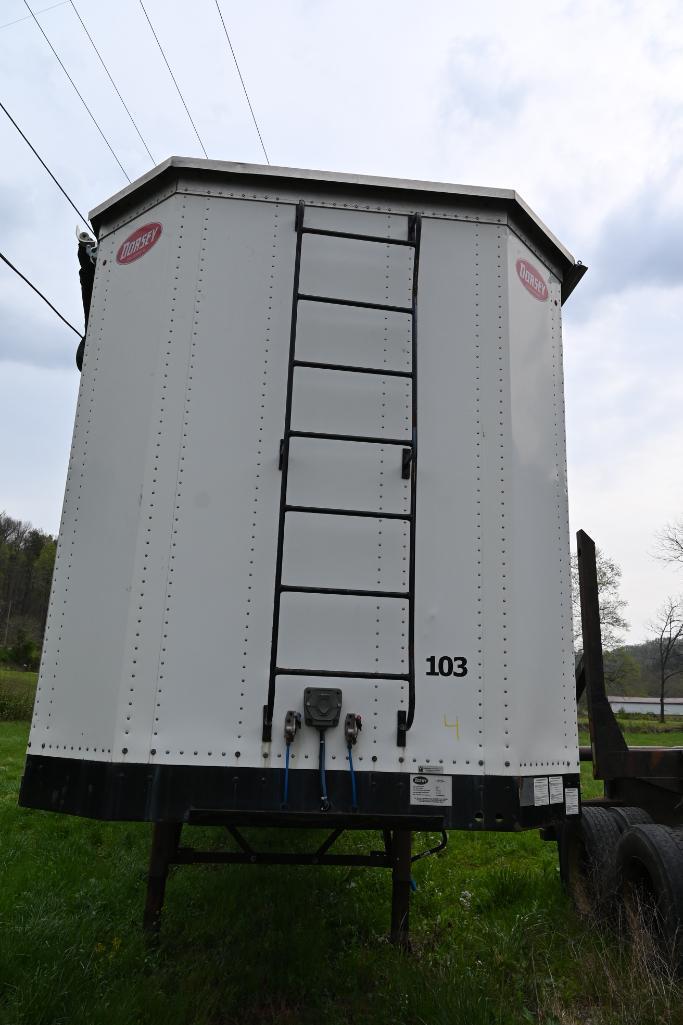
(627, 817)
(650, 867)
(588, 866)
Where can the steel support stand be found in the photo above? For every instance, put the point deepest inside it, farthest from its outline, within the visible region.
(165, 840)
(401, 849)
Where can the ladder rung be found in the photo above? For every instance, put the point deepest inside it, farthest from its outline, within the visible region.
(404, 442)
(360, 238)
(353, 302)
(348, 368)
(325, 511)
(343, 673)
(295, 589)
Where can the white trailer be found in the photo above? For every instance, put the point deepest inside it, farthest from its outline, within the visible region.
(317, 483)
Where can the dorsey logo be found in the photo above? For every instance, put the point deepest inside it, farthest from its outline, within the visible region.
(139, 243)
(420, 780)
(532, 280)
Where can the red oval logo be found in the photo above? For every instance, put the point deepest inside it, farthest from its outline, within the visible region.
(139, 243)
(532, 280)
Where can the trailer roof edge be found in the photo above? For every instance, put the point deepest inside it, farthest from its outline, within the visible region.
(572, 270)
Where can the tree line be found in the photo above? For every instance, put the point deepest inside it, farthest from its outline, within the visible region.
(654, 667)
(27, 557)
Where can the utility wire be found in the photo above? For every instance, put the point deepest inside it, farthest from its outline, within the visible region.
(38, 292)
(92, 116)
(37, 154)
(234, 57)
(27, 17)
(112, 80)
(173, 77)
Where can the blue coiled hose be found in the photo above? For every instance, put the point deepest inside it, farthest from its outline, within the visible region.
(324, 800)
(354, 797)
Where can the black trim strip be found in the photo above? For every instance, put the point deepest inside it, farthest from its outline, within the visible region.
(245, 795)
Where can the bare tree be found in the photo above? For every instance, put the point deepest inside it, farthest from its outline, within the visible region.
(668, 631)
(669, 543)
(612, 621)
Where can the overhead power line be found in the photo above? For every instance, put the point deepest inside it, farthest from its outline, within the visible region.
(37, 154)
(173, 77)
(92, 116)
(234, 57)
(92, 43)
(38, 292)
(27, 17)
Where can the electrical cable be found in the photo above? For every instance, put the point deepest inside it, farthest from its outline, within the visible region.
(234, 57)
(173, 77)
(116, 89)
(37, 154)
(38, 292)
(27, 17)
(324, 801)
(354, 796)
(92, 116)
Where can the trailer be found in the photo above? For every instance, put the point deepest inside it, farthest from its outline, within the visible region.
(266, 608)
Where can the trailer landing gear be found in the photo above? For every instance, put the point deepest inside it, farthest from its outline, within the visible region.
(401, 881)
(397, 856)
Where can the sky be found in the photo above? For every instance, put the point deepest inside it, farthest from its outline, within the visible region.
(576, 105)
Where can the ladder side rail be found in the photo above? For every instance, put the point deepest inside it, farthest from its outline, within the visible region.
(268, 709)
(417, 235)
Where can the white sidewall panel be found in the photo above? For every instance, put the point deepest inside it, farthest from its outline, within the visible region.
(160, 624)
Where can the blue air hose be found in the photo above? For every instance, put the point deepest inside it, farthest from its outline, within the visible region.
(324, 801)
(354, 798)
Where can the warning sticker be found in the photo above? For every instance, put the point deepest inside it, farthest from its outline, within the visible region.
(541, 790)
(556, 789)
(571, 801)
(431, 790)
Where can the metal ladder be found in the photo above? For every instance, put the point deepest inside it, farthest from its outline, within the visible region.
(408, 469)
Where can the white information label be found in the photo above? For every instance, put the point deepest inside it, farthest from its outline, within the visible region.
(541, 790)
(556, 789)
(430, 789)
(571, 801)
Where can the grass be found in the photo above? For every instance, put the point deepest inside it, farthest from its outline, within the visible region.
(495, 940)
(17, 694)
(639, 722)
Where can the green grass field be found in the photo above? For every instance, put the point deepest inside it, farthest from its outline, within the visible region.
(495, 940)
(17, 694)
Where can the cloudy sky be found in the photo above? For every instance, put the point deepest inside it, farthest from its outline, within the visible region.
(577, 105)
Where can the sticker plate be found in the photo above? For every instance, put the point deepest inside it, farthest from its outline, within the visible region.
(571, 801)
(433, 790)
(556, 784)
(541, 790)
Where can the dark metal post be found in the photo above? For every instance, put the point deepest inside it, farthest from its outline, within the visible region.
(606, 737)
(401, 847)
(165, 840)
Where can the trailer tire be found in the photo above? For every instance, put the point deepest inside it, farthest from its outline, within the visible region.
(630, 816)
(650, 874)
(587, 848)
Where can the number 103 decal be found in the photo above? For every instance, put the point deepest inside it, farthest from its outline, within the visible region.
(447, 666)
